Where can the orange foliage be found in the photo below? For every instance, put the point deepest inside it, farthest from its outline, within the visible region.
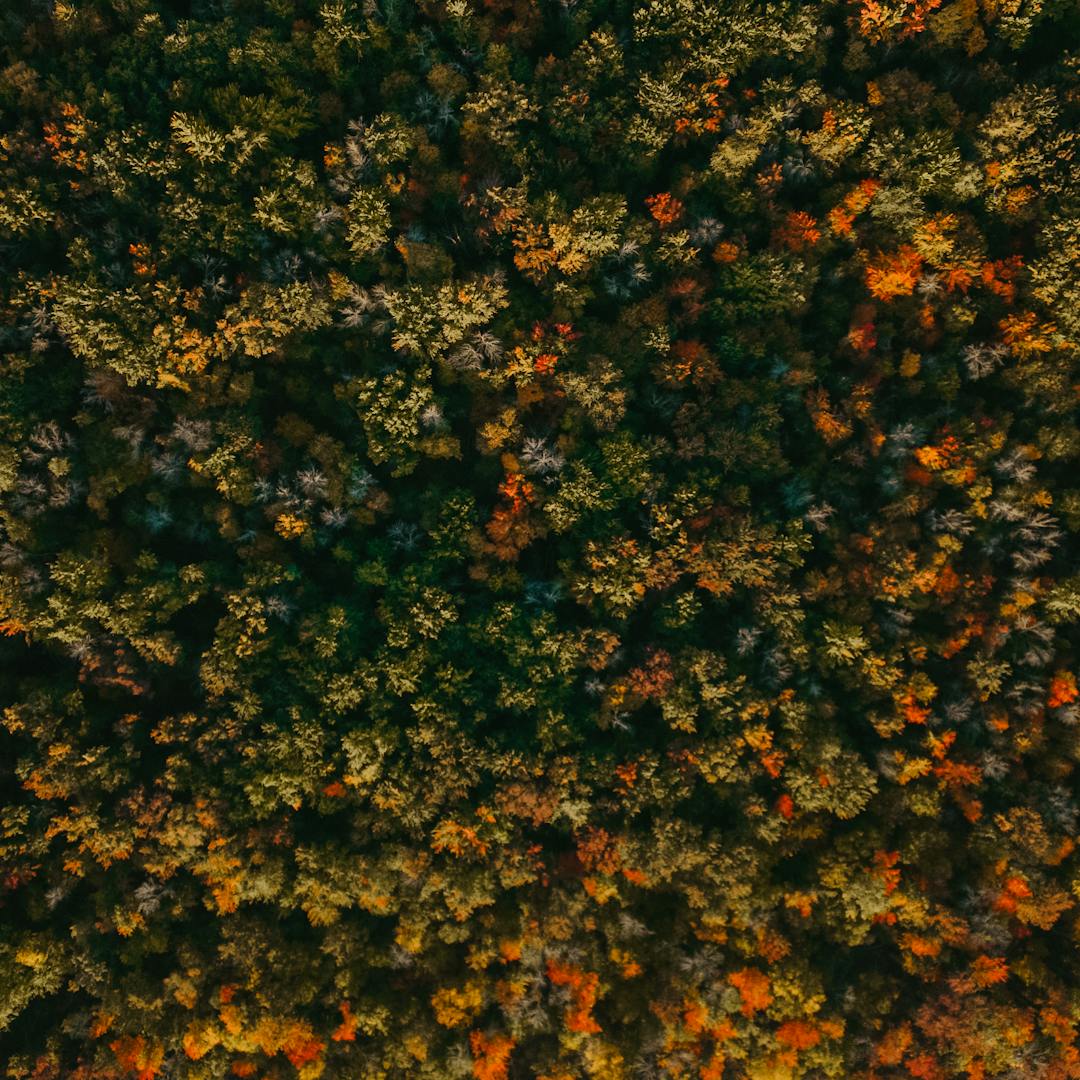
(840, 221)
(346, 1030)
(891, 1049)
(859, 199)
(584, 986)
(509, 533)
(770, 178)
(533, 258)
(924, 1067)
(200, 1039)
(957, 774)
(798, 231)
(457, 839)
(709, 104)
(1013, 890)
(665, 208)
(62, 139)
(956, 277)
(798, 1034)
(627, 774)
(830, 427)
(695, 1016)
(802, 902)
(940, 456)
(920, 946)
(894, 275)
(713, 1069)
(301, 1045)
(142, 264)
(842, 217)
(491, 1056)
(879, 19)
(652, 680)
(772, 946)
(1025, 336)
(135, 1054)
(998, 276)
(102, 1022)
(518, 490)
(725, 252)
(1062, 689)
(988, 970)
(508, 528)
(948, 582)
(689, 360)
(1058, 1026)
(753, 987)
(598, 850)
(885, 867)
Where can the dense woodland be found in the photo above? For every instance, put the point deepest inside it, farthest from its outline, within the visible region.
(539, 539)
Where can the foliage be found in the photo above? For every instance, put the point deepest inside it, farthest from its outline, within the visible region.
(539, 539)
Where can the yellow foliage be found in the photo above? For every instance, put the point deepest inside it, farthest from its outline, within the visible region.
(30, 957)
(910, 364)
(456, 1006)
(290, 526)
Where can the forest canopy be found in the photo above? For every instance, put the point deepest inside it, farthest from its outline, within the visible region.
(539, 539)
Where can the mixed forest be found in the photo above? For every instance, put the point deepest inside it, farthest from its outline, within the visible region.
(539, 539)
